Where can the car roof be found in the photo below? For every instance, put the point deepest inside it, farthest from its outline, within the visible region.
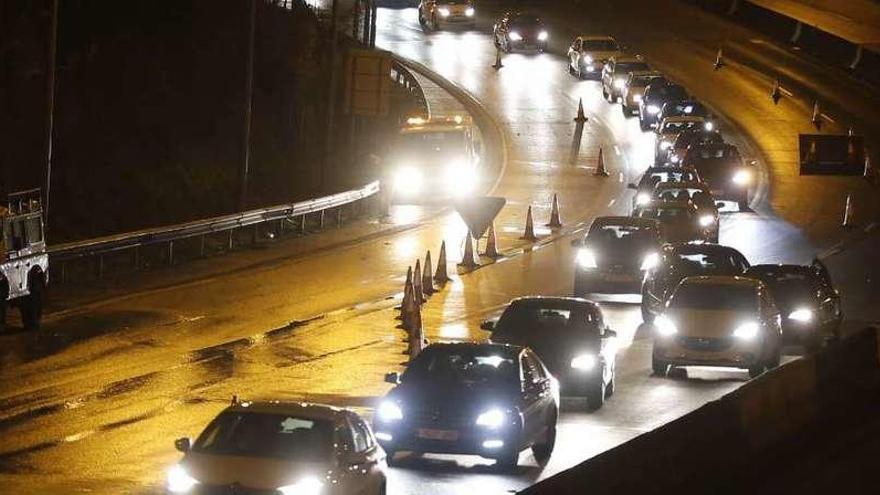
(507, 349)
(555, 300)
(695, 248)
(299, 409)
(685, 204)
(726, 280)
(621, 220)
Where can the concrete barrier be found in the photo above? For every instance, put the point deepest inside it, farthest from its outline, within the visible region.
(724, 446)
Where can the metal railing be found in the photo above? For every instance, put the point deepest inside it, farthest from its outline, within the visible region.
(408, 81)
(100, 247)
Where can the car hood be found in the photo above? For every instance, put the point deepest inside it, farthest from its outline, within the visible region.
(251, 472)
(460, 398)
(557, 350)
(708, 323)
(598, 55)
(789, 299)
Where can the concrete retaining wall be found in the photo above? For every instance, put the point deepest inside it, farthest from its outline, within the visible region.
(726, 445)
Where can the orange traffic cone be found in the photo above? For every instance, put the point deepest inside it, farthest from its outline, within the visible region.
(491, 243)
(416, 334)
(555, 221)
(776, 94)
(719, 59)
(529, 233)
(409, 308)
(440, 276)
(406, 286)
(469, 261)
(418, 293)
(600, 165)
(580, 118)
(428, 276)
(817, 116)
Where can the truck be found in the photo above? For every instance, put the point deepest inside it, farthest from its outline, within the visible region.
(24, 261)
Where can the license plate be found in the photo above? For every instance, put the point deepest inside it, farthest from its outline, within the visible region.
(450, 435)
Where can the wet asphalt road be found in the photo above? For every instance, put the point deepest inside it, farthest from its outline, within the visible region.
(94, 402)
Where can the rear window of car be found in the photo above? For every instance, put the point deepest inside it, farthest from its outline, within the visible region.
(715, 297)
(464, 366)
(710, 262)
(672, 176)
(620, 234)
(625, 67)
(257, 434)
(672, 127)
(600, 45)
(661, 213)
(525, 21)
(545, 318)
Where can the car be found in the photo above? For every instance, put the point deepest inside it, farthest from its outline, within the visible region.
(435, 14)
(485, 399)
(570, 336)
(614, 255)
(806, 296)
(725, 321)
(616, 71)
(655, 175)
(520, 31)
(680, 221)
(722, 167)
(587, 55)
(658, 93)
(683, 108)
(697, 193)
(634, 90)
(681, 260)
(282, 448)
(24, 259)
(433, 160)
(668, 131)
(695, 136)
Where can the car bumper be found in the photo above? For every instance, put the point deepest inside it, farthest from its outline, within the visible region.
(695, 351)
(457, 19)
(466, 441)
(528, 45)
(606, 282)
(577, 383)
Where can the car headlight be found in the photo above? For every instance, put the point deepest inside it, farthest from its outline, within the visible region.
(665, 326)
(708, 126)
(619, 83)
(637, 98)
(307, 486)
(542, 36)
(588, 59)
(470, 12)
(665, 145)
(584, 362)
(653, 109)
(643, 199)
(706, 220)
(650, 261)
(802, 315)
(493, 418)
(513, 35)
(742, 177)
(443, 12)
(179, 481)
(674, 159)
(746, 331)
(408, 179)
(586, 258)
(389, 411)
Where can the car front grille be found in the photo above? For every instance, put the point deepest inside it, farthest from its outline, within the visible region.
(439, 416)
(705, 343)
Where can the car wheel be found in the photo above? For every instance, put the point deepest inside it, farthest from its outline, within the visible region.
(659, 367)
(508, 461)
(643, 125)
(571, 69)
(32, 304)
(383, 489)
(604, 92)
(596, 396)
(775, 359)
(543, 451)
(421, 18)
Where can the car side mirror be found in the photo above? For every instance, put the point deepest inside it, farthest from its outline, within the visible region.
(488, 325)
(392, 378)
(632, 185)
(182, 444)
(610, 333)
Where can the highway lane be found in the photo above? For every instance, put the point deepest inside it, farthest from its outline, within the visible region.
(162, 364)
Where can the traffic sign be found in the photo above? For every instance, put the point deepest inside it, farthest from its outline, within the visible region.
(478, 212)
(825, 154)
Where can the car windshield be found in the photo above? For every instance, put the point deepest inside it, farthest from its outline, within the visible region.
(464, 366)
(685, 108)
(669, 176)
(525, 21)
(677, 193)
(620, 236)
(600, 46)
(626, 67)
(258, 434)
(543, 319)
(667, 214)
(641, 81)
(784, 279)
(667, 92)
(678, 126)
(715, 297)
(437, 142)
(709, 262)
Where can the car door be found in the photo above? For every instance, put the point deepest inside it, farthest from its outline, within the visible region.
(539, 396)
(364, 463)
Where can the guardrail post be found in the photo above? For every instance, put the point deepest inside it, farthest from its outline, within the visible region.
(229, 244)
(255, 234)
(339, 217)
(302, 224)
(201, 246)
(798, 29)
(136, 258)
(170, 253)
(63, 276)
(321, 220)
(100, 266)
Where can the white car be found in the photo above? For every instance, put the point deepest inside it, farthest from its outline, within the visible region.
(24, 262)
(587, 55)
(718, 320)
(283, 448)
(669, 129)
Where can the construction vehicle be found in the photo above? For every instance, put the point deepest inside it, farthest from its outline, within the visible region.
(24, 262)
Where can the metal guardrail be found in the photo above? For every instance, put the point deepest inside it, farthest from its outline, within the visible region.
(99, 247)
(405, 78)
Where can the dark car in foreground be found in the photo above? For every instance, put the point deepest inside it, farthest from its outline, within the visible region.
(679, 261)
(613, 256)
(807, 299)
(490, 400)
(520, 31)
(569, 334)
(721, 166)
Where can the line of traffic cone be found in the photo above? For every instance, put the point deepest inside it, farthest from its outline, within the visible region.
(601, 171)
(491, 243)
(555, 221)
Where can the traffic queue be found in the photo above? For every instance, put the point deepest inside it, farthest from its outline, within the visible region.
(705, 304)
